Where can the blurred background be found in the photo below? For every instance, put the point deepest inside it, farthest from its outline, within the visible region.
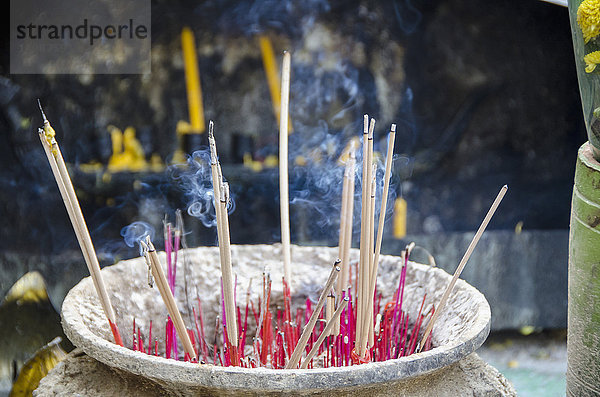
(483, 94)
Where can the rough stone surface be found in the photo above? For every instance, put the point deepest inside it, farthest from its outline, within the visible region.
(83, 376)
(460, 330)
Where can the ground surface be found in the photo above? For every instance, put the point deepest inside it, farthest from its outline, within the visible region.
(535, 364)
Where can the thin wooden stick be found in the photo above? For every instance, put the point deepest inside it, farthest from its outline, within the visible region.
(67, 191)
(284, 205)
(462, 264)
(346, 227)
(368, 252)
(349, 219)
(227, 273)
(330, 309)
(308, 328)
(369, 325)
(384, 198)
(221, 197)
(363, 261)
(342, 234)
(325, 333)
(167, 296)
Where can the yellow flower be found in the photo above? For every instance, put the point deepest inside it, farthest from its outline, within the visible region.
(591, 61)
(588, 18)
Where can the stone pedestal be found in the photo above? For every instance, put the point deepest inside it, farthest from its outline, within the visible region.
(83, 376)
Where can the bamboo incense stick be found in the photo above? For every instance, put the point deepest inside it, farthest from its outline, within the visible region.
(349, 223)
(369, 318)
(330, 309)
(325, 333)
(308, 328)
(221, 201)
(342, 234)
(216, 182)
(346, 227)
(283, 169)
(65, 186)
(363, 261)
(167, 296)
(227, 273)
(368, 252)
(384, 198)
(462, 264)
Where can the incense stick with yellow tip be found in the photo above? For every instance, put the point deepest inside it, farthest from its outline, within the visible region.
(167, 296)
(283, 169)
(65, 186)
(462, 264)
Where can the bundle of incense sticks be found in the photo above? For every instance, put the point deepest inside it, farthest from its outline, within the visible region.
(221, 201)
(67, 192)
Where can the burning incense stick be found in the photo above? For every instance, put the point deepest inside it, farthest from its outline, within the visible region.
(283, 168)
(221, 201)
(349, 219)
(363, 261)
(366, 249)
(65, 186)
(372, 281)
(462, 264)
(308, 329)
(325, 333)
(384, 197)
(167, 296)
(346, 221)
(227, 273)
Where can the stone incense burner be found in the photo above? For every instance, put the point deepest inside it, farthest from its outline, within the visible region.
(460, 329)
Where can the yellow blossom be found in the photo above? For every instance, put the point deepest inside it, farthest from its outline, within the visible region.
(591, 61)
(588, 18)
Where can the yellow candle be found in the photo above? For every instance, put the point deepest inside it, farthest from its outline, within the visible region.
(192, 81)
(272, 72)
(400, 218)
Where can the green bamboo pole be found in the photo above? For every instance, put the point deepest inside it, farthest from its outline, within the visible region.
(583, 342)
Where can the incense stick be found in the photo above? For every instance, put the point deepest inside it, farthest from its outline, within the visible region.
(384, 198)
(368, 249)
(462, 264)
(67, 191)
(346, 221)
(227, 273)
(308, 328)
(363, 261)
(283, 169)
(349, 223)
(372, 281)
(330, 324)
(167, 296)
(221, 200)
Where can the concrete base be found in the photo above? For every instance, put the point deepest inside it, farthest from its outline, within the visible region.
(83, 376)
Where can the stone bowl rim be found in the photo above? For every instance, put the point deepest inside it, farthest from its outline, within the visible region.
(236, 378)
